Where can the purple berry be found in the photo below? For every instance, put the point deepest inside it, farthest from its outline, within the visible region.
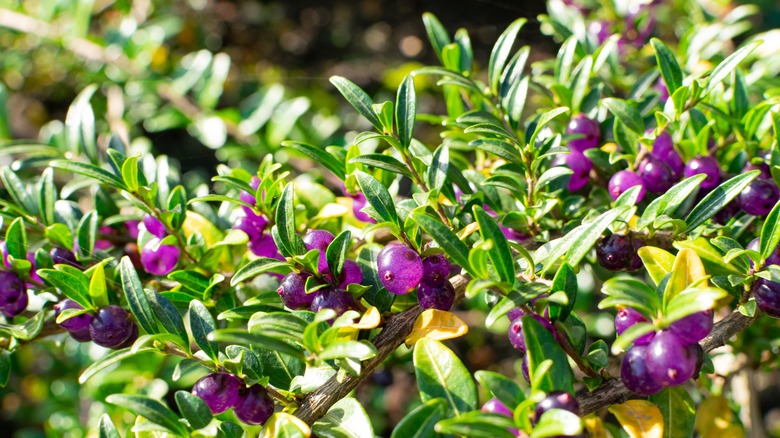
(264, 246)
(495, 406)
(132, 228)
(763, 167)
(15, 308)
(440, 297)
(400, 268)
(615, 252)
(81, 335)
(515, 313)
(515, 333)
(11, 288)
(292, 289)
(557, 400)
(624, 180)
(62, 256)
(154, 226)
(580, 166)
(626, 318)
(636, 261)
(77, 323)
(319, 239)
(759, 197)
(335, 299)
(358, 202)
(254, 405)
(159, 259)
(706, 165)
(436, 269)
(767, 295)
(694, 327)
(635, 374)
(663, 149)
(773, 259)
(669, 359)
(111, 326)
(350, 274)
(657, 175)
(218, 390)
(524, 369)
(247, 197)
(252, 224)
(102, 244)
(130, 339)
(588, 130)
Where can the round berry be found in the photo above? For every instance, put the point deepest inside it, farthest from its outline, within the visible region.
(588, 131)
(763, 167)
(580, 166)
(218, 390)
(111, 326)
(706, 165)
(358, 202)
(132, 228)
(292, 289)
(76, 323)
(767, 295)
(634, 372)
(248, 197)
(335, 299)
(154, 226)
(159, 259)
(515, 313)
(437, 296)
(557, 400)
(773, 259)
(319, 239)
(615, 252)
(62, 256)
(636, 261)
(252, 224)
(350, 274)
(81, 335)
(11, 288)
(627, 317)
(663, 149)
(694, 327)
(15, 308)
(264, 246)
(624, 180)
(516, 337)
(657, 175)
(524, 369)
(759, 197)
(400, 268)
(130, 339)
(436, 269)
(669, 359)
(254, 405)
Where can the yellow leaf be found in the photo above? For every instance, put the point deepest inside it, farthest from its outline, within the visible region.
(370, 319)
(282, 420)
(195, 223)
(438, 325)
(657, 261)
(687, 270)
(714, 419)
(594, 426)
(639, 418)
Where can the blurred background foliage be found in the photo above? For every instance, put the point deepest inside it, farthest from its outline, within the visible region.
(209, 82)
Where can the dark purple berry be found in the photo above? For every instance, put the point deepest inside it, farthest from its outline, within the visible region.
(15, 308)
(624, 180)
(767, 295)
(663, 149)
(670, 360)
(264, 246)
(436, 269)
(76, 323)
(154, 226)
(706, 165)
(580, 166)
(254, 405)
(111, 326)
(218, 390)
(524, 369)
(159, 259)
(62, 256)
(588, 130)
(319, 239)
(763, 167)
(515, 313)
(773, 259)
(440, 297)
(615, 252)
(350, 274)
(331, 298)
(557, 400)
(694, 327)
(11, 288)
(635, 374)
(636, 261)
(516, 337)
(657, 175)
(626, 318)
(130, 339)
(292, 289)
(400, 268)
(81, 335)
(358, 202)
(759, 197)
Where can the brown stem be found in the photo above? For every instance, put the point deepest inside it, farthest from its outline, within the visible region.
(572, 353)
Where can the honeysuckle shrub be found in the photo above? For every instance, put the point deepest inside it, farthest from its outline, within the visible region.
(632, 178)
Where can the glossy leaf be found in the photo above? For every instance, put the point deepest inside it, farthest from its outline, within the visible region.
(136, 297)
(718, 198)
(687, 270)
(770, 232)
(440, 373)
(337, 252)
(384, 162)
(151, 409)
(101, 175)
(657, 261)
(667, 63)
(502, 387)
(201, 324)
(724, 69)
(194, 409)
(557, 422)
(541, 347)
(406, 110)
(345, 419)
(626, 113)
(500, 254)
(106, 428)
(501, 51)
(378, 197)
(318, 155)
(358, 98)
(290, 243)
(565, 281)
(420, 422)
(678, 410)
(639, 418)
(477, 424)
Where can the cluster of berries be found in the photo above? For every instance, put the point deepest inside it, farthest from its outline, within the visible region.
(401, 270)
(261, 243)
(554, 400)
(618, 252)
(516, 337)
(111, 326)
(666, 358)
(222, 391)
(157, 258)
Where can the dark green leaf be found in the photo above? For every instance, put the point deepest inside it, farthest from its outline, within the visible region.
(257, 267)
(770, 232)
(630, 292)
(48, 196)
(169, 316)
(257, 341)
(437, 34)
(718, 198)
(194, 409)
(586, 235)
(358, 98)
(318, 155)
(106, 428)
(667, 63)
(87, 235)
(678, 410)
(500, 148)
(502, 387)
(378, 197)
(566, 281)
(384, 162)
(110, 359)
(5, 367)
(626, 113)
(670, 201)
(16, 239)
(501, 51)
(290, 243)
(337, 252)
(17, 190)
(88, 170)
(136, 297)
(542, 346)
(441, 374)
(500, 253)
(150, 409)
(73, 285)
(437, 172)
(477, 424)
(201, 324)
(419, 423)
(406, 110)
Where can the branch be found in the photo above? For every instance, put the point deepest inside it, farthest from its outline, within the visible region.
(613, 391)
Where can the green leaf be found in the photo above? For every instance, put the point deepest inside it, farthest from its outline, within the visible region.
(16, 239)
(441, 374)
(130, 172)
(679, 412)
(406, 110)
(110, 359)
(437, 172)
(378, 197)
(358, 98)
(80, 124)
(770, 233)
(136, 296)
(502, 387)
(724, 69)
(691, 301)
(87, 234)
(318, 155)
(17, 190)
(97, 287)
(290, 243)
(169, 316)
(667, 63)
(27, 330)
(557, 422)
(279, 368)
(586, 235)
(5, 367)
(106, 428)
(565, 281)
(201, 324)
(437, 34)
(257, 267)
(630, 335)
(542, 346)
(345, 419)
(384, 162)
(657, 261)
(151, 409)
(500, 253)
(718, 198)
(194, 409)
(101, 175)
(500, 148)
(670, 201)
(501, 51)
(544, 120)
(477, 424)
(420, 422)
(337, 252)
(48, 196)
(630, 292)
(73, 285)
(257, 341)
(626, 113)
